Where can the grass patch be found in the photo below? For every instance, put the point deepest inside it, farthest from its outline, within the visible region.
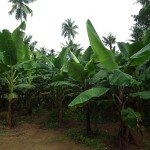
(56, 138)
(78, 135)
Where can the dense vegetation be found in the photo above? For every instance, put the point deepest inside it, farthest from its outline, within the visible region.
(94, 82)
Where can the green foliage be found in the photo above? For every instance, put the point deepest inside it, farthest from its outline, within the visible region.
(131, 118)
(8, 48)
(142, 95)
(105, 56)
(62, 83)
(109, 41)
(21, 9)
(146, 144)
(79, 136)
(121, 79)
(87, 54)
(12, 46)
(141, 56)
(102, 74)
(124, 48)
(87, 96)
(142, 22)
(25, 87)
(69, 29)
(77, 72)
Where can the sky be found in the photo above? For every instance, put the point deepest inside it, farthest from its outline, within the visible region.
(45, 25)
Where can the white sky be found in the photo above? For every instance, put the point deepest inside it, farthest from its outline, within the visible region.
(45, 25)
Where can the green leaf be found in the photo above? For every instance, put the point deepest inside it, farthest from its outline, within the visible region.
(142, 95)
(18, 36)
(105, 56)
(130, 117)
(62, 83)
(74, 57)
(87, 54)
(77, 72)
(141, 56)
(57, 63)
(121, 79)
(124, 50)
(99, 76)
(104, 104)
(24, 87)
(87, 96)
(90, 67)
(8, 48)
(1, 56)
(63, 55)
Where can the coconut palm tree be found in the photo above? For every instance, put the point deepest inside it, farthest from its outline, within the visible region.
(109, 40)
(21, 9)
(28, 41)
(69, 29)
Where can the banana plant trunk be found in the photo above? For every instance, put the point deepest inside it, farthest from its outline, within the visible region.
(123, 129)
(88, 121)
(60, 117)
(29, 103)
(9, 115)
(123, 135)
(29, 106)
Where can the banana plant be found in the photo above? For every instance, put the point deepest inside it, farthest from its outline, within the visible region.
(82, 71)
(14, 52)
(119, 78)
(62, 88)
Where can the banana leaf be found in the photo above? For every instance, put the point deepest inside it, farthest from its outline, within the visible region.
(74, 57)
(18, 37)
(24, 87)
(62, 83)
(8, 48)
(98, 76)
(124, 50)
(90, 67)
(141, 56)
(142, 95)
(77, 72)
(105, 56)
(130, 117)
(87, 96)
(121, 79)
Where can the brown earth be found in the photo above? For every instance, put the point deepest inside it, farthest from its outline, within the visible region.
(31, 137)
(28, 135)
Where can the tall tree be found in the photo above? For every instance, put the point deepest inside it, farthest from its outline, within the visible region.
(21, 9)
(69, 29)
(109, 41)
(142, 21)
(28, 41)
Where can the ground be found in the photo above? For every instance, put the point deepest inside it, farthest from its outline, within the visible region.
(29, 135)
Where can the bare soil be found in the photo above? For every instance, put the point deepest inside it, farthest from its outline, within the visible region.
(31, 137)
(28, 135)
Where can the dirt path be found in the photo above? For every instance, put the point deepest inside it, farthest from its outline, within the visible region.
(30, 137)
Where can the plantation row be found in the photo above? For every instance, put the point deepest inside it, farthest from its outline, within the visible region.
(93, 80)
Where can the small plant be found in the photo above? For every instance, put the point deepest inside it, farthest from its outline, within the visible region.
(79, 136)
(51, 121)
(38, 109)
(146, 144)
(3, 116)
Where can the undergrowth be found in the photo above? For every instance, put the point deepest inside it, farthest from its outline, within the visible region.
(78, 135)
